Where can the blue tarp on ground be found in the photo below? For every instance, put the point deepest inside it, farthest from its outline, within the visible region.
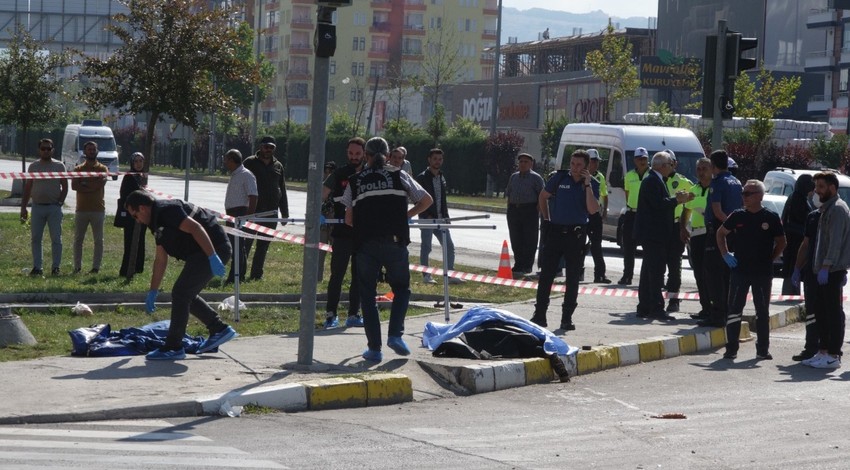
(437, 333)
(101, 341)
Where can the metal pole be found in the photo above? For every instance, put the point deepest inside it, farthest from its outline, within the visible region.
(188, 161)
(372, 107)
(719, 92)
(259, 24)
(445, 235)
(494, 107)
(312, 226)
(236, 267)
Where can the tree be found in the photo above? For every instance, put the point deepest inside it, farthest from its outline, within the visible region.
(28, 84)
(343, 124)
(762, 99)
(400, 130)
(172, 50)
(551, 139)
(659, 114)
(499, 158)
(436, 125)
(240, 90)
(614, 66)
(466, 128)
(401, 86)
(442, 62)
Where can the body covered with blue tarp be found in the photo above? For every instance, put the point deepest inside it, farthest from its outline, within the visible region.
(437, 333)
(101, 341)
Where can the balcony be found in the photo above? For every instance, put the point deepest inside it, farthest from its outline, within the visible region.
(819, 104)
(491, 7)
(379, 53)
(488, 34)
(822, 61)
(302, 22)
(822, 18)
(381, 4)
(300, 48)
(298, 74)
(414, 29)
(844, 61)
(415, 5)
(841, 100)
(380, 27)
(412, 53)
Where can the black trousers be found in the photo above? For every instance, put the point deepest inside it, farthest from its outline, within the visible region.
(567, 242)
(717, 278)
(343, 252)
(739, 286)
(594, 234)
(629, 245)
(262, 248)
(650, 298)
(196, 274)
(829, 312)
(244, 245)
(675, 248)
(523, 227)
(128, 246)
(812, 343)
(697, 259)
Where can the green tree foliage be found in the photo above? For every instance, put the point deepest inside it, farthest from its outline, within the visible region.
(28, 84)
(401, 130)
(442, 62)
(466, 127)
(343, 124)
(762, 99)
(172, 50)
(660, 114)
(832, 153)
(550, 139)
(499, 159)
(614, 66)
(241, 90)
(436, 125)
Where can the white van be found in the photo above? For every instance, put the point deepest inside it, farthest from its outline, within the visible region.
(616, 144)
(76, 135)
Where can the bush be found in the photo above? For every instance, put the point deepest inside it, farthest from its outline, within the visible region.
(499, 158)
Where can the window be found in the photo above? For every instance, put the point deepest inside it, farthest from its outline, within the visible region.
(842, 80)
(354, 68)
(298, 91)
(331, 93)
(436, 22)
(356, 94)
(378, 70)
(267, 117)
(332, 67)
(361, 68)
(362, 43)
(354, 43)
(299, 114)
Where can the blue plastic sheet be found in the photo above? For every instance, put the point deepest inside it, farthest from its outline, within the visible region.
(101, 341)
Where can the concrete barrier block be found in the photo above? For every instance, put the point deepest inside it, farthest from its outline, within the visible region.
(687, 344)
(388, 389)
(650, 350)
(629, 353)
(718, 337)
(286, 397)
(477, 378)
(670, 346)
(588, 361)
(508, 374)
(571, 361)
(703, 339)
(609, 357)
(745, 335)
(336, 392)
(538, 371)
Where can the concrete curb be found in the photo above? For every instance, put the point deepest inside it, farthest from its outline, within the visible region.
(378, 389)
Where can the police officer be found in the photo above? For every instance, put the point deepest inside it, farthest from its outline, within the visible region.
(594, 226)
(675, 182)
(191, 234)
(724, 196)
(376, 206)
(343, 240)
(692, 230)
(632, 187)
(565, 232)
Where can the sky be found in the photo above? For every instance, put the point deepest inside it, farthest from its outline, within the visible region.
(620, 8)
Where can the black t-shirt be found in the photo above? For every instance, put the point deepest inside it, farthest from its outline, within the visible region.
(811, 232)
(166, 217)
(337, 182)
(754, 239)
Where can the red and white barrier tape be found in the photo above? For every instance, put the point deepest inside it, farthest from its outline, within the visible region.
(52, 175)
(482, 278)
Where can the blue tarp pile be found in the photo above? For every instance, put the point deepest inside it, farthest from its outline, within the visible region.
(101, 341)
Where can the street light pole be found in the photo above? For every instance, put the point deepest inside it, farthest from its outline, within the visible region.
(494, 106)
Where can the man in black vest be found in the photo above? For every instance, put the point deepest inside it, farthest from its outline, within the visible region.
(191, 234)
(343, 240)
(376, 206)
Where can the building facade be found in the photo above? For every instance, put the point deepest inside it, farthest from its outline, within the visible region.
(381, 41)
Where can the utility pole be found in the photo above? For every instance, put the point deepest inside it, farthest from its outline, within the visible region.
(259, 23)
(494, 108)
(324, 43)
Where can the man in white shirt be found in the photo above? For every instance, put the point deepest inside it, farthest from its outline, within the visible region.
(240, 199)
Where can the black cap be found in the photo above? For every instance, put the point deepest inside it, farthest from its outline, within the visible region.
(268, 140)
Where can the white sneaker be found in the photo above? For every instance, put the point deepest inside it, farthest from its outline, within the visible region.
(827, 362)
(427, 279)
(816, 358)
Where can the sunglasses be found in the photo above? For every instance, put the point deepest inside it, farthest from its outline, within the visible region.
(46, 149)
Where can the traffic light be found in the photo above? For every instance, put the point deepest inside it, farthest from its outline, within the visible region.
(736, 44)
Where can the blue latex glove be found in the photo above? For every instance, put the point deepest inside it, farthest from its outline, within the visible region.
(730, 260)
(323, 220)
(216, 266)
(410, 221)
(150, 301)
(795, 277)
(823, 276)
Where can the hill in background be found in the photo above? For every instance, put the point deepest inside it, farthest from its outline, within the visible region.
(525, 25)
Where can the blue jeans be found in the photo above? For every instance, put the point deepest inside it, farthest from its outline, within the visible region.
(371, 256)
(50, 215)
(427, 235)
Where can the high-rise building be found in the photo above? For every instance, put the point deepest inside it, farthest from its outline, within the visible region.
(377, 41)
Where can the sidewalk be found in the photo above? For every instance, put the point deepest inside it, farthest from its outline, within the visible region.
(264, 370)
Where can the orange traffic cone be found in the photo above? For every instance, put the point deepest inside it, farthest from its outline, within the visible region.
(505, 263)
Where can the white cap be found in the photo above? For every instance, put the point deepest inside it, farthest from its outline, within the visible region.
(641, 152)
(594, 155)
(672, 155)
